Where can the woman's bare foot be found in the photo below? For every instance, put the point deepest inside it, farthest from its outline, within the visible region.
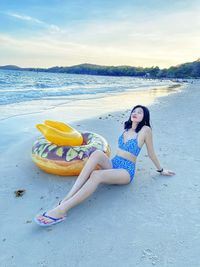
(54, 213)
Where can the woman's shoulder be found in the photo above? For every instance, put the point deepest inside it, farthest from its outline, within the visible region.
(146, 128)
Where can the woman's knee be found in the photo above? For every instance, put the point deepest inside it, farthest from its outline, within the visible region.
(102, 159)
(97, 154)
(95, 176)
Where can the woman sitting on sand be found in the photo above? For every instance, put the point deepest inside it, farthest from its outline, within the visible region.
(118, 170)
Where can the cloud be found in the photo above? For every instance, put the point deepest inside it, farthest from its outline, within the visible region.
(26, 18)
(162, 39)
(47, 51)
(51, 27)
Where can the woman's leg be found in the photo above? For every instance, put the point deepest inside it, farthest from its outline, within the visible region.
(97, 157)
(113, 176)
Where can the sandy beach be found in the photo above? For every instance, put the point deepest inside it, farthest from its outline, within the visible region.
(153, 221)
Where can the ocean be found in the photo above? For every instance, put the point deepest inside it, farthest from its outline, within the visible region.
(23, 92)
(28, 98)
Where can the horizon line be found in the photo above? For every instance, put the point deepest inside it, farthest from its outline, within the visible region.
(198, 59)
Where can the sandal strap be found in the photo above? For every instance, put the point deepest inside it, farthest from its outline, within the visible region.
(49, 217)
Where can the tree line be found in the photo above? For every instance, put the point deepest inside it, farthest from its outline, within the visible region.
(186, 70)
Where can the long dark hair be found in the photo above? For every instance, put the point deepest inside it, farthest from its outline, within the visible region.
(145, 120)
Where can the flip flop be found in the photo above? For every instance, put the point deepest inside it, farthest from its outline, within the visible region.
(55, 220)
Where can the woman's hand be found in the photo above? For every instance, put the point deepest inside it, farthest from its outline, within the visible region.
(167, 172)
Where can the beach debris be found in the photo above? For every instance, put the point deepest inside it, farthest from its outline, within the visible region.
(19, 192)
(28, 221)
(148, 254)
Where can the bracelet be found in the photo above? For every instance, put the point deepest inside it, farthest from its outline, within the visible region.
(160, 170)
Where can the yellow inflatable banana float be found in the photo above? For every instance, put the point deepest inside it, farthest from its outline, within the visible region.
(60, 134)
(63, 150)
(59, 125)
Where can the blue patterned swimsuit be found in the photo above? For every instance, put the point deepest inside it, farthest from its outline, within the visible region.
(130, 146)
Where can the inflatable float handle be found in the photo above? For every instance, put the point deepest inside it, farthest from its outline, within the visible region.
(59, 125)
(60, 138)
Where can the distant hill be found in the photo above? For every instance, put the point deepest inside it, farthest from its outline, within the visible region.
(186, 70)
(10, 67)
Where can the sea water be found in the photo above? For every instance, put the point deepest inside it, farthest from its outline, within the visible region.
(27, 92)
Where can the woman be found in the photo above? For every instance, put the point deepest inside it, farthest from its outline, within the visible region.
(118, 170)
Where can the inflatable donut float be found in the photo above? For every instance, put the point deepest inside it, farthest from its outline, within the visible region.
(63, 156)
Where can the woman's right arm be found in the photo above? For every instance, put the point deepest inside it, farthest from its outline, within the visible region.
(150, 148)
(151, 153)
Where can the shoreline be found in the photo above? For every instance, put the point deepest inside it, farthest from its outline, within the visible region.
(62, 102)
(24, 125)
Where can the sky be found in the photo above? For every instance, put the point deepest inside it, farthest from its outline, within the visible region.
(65, 33)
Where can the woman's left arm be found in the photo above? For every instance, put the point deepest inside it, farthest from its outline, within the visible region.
(151, 153)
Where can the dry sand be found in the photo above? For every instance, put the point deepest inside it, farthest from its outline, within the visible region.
(154, 221)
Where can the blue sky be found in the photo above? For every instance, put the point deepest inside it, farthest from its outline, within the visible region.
(63, 33)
